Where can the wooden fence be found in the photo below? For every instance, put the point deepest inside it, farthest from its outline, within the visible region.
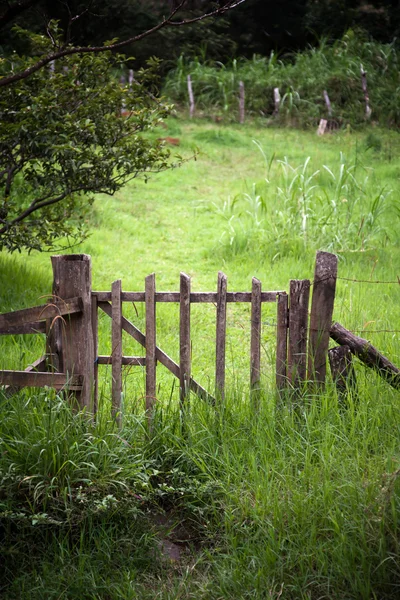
(70, 321)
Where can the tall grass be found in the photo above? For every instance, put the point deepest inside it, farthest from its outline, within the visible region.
(299, 499)
(295, 208)
(301, 77)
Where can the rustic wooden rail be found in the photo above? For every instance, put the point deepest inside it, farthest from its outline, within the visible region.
(70, 321)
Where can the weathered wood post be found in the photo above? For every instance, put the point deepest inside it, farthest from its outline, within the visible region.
(368, 110)
(281, 341)
(277, 102)
(241, 102)
(220, 337)
(71, 337)
(255, 342)
(184, 339)
(323, 299)
(191, 97)
(342, 369)
(298, 324)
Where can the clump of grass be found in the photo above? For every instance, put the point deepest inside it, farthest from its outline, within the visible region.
(299, 498)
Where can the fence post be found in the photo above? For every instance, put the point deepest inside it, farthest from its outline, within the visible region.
(298, 324)
(71, 337)
(241, 102)
(323, 299)
(191, 96)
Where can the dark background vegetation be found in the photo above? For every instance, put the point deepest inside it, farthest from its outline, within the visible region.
(258, 26)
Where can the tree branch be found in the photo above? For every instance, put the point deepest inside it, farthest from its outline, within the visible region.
(118, 45)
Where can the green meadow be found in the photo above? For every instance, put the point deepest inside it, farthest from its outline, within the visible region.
(300, 500)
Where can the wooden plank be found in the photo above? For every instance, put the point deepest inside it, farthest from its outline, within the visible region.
(95, 334)
(281, 341)
(72, 339)
(116, 346)
(195, 297)
(41, 379)
(40, 313)
(369, 355)
(255, 342)
(38, 365)
(298, 323)
(323, 299)
(151, 375)
(220, 336)
(132, 361)
(161, 356)
(26, 328)
(342, 369)
(184, 338)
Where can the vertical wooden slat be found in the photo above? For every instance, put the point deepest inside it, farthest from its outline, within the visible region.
(184, 337)
(116, 341)
(323, 298)
(255, 341)
(298, 324)
(151, 381)
(281, 341)
(95, 324)
(71, 337)
(221, 336)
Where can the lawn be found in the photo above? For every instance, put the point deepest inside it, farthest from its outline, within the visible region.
(301, 500)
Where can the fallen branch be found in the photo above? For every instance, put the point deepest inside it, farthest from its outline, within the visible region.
(369, 355)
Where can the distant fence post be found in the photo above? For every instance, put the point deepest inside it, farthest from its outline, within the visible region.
(241, 102)
(368, 110)
(323, 298)
(71, 337)
(277, 101)
(191, 96)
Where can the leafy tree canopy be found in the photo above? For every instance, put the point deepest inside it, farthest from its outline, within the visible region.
(63, 138)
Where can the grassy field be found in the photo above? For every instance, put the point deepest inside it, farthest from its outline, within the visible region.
(299, 501)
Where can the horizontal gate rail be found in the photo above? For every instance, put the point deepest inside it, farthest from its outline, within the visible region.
(195, 297)
(58, 381)
(29, 317)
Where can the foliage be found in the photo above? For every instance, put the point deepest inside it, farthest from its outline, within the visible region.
(301, 79)
(63, 138)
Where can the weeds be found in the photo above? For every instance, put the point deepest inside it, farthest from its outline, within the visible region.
(296, 209)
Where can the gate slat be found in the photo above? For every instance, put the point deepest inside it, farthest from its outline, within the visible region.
(151, 382)
(255, 341)
(298, 324)
(95, 321)
(281, 341)
(184, 337)
(116, 336)
(221, 336)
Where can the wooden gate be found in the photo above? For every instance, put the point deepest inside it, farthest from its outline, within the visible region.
(70, 321)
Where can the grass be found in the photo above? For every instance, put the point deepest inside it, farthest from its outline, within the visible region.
(301, 500)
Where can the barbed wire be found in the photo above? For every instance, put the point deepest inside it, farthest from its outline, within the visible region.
(376, 281)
